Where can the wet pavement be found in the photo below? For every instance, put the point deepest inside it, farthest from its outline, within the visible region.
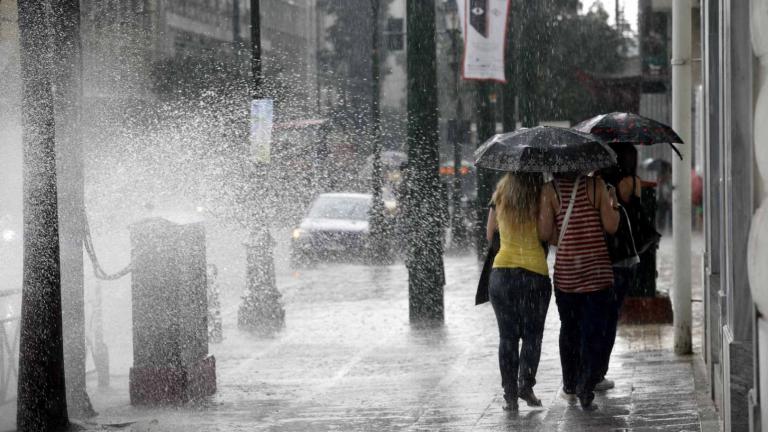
(348, 360)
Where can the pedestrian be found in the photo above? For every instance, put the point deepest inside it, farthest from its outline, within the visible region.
(622, 246)
(520, 288)
(582, 209)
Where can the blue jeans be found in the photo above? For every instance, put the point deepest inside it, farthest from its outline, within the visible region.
(623, 278)
(520, 300)
(583, 319)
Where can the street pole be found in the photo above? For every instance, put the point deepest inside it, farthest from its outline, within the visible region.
(67, 80)
(261, 310)
(681, 173)
(426, 274)
(457, 133)
(486, 128)
(528, 61)
(378, 246)
(509, 90)
(42, 399)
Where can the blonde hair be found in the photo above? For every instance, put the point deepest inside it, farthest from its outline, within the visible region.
(517, 197)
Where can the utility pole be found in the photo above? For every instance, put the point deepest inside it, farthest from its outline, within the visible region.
(456, 131)
(426, 274)
(261, 311)
(528, 60)
(67, 81)
(379, 243)
(681, 173)
(42, 399)
(509, 90)
(486, 128)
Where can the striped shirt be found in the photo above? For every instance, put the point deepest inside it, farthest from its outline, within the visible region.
(582, 263)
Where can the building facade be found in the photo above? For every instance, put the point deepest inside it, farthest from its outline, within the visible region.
(735, 161)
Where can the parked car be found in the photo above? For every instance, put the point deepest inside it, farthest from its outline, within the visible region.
(336, 227)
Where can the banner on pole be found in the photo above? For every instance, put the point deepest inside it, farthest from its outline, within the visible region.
(485, 34)
(261, 129)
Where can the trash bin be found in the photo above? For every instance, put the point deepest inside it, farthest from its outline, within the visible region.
(170, 331)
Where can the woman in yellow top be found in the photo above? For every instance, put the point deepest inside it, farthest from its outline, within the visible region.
(519, 287)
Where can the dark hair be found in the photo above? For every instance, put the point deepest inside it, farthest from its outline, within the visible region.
(626, 159)
(626, 164)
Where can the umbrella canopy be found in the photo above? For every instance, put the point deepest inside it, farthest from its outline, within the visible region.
(629, 128)
(544, 149)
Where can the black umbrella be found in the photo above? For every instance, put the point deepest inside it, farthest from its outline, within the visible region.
(544, 149)
(629, 128)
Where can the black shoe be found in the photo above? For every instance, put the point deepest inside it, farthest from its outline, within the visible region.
(530, 398)
(511, 403)
(587, 404)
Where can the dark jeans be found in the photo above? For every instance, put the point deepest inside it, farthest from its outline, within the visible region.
(520, 300)
(583, 319)
(623, 278)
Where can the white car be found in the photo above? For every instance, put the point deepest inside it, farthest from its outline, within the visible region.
(336, 227)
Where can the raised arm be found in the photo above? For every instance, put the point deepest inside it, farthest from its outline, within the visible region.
(608, 205)
(491, 226)
(547, 205)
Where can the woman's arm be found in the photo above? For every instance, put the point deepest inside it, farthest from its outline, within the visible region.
(608, 205)
(491, 226)
(625, 188)
(546, 223)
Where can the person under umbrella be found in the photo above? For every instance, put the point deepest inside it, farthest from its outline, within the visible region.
(622, 132)
(622, 247)
(519, 282)
(583, 210)
(520, 288)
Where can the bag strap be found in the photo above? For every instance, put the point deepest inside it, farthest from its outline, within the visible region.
(569, 211)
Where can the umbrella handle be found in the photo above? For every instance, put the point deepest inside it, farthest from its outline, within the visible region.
(676, 151)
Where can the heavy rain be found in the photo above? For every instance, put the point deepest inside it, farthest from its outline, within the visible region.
(311, 215)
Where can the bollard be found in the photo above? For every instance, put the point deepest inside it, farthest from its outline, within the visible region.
(170, 335)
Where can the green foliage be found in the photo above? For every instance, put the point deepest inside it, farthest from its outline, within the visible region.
(568, 50)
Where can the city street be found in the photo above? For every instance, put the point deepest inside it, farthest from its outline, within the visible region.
(348, 360)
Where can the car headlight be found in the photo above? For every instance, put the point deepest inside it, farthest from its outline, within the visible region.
(297, 233)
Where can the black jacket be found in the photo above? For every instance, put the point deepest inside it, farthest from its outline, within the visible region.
(485, 277)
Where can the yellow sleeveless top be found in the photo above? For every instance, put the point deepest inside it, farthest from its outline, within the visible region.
(521, 248)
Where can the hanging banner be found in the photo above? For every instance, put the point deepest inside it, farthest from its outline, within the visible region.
(261, 129)
(485, 34)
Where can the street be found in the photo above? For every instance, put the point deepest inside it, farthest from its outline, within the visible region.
(349, 360)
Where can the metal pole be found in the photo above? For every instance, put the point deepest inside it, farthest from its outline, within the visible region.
(426, 273)
(458, 230)
(681, 173)
(378, 233)
(42, 399)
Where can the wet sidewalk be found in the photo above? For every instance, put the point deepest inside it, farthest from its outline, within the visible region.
(348, 360)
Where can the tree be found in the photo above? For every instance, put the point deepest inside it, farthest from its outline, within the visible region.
(346, 63)
(567, 47)
(42, 403)
(426, 274)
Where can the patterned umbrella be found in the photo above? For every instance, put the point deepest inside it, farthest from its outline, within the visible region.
(629, 128)
(544, 149)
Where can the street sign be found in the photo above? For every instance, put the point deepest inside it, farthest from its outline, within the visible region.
(484, 25)
(262, 116)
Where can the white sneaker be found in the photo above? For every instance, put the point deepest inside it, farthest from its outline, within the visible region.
(570, 397)
(604, 385)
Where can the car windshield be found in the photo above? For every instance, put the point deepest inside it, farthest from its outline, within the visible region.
(327, 207)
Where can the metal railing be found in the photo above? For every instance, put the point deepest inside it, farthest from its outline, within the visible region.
(9, 351)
